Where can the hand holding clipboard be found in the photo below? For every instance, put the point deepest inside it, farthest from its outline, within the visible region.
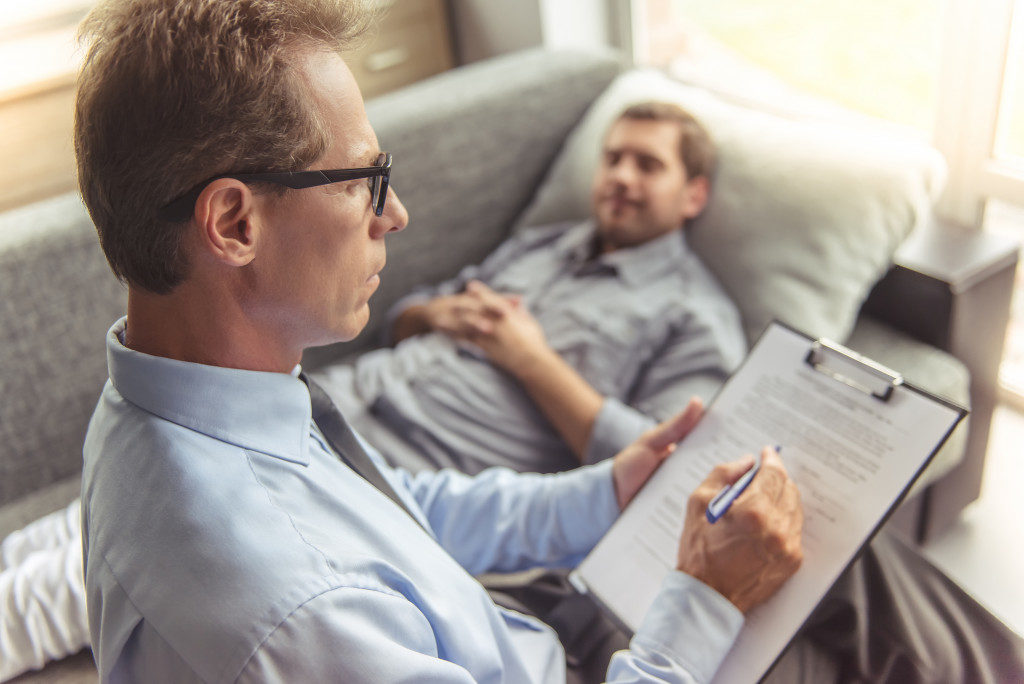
(856, 438)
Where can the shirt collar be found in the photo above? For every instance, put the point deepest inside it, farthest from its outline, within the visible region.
(260, 411)
(580, 243)
(635, 265)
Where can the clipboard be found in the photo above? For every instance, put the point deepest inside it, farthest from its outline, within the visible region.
(855, 435)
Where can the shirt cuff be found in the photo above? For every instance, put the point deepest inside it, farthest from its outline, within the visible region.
(588, 506)
(690, 623)
(615, 427)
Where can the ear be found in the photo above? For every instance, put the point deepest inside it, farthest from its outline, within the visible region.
(695, 196)
(224, 213)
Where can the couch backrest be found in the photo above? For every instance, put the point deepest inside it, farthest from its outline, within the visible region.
(470, 148)
(57, 300)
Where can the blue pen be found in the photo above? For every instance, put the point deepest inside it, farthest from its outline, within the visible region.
(723, 500)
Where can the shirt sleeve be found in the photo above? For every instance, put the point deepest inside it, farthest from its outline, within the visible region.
(503, 521)
(698, 354)
(369, 634)
(684, 637)
(352, 635)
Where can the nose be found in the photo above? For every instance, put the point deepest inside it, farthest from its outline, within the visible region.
(395, 216)
(624, 172)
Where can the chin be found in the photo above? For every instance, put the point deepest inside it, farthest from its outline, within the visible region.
(615, 236)
(354, 323)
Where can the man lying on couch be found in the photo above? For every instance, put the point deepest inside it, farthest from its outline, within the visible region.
(235, 529)
(568, 341)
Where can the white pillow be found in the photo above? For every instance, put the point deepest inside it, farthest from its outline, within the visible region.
(804, 215)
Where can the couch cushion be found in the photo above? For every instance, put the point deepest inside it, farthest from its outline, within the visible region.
(59, 299)
(804, 215)
(20, 512)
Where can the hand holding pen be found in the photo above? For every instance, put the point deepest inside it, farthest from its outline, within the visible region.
(730, 492)
(747, 553)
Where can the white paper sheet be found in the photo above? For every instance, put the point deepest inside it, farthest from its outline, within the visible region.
(850, 454)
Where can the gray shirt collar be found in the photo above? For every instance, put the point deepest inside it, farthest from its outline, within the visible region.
(635, 265)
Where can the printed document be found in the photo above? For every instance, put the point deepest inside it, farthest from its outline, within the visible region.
(851, 454)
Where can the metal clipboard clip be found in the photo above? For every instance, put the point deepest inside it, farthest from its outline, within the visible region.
(850, 368)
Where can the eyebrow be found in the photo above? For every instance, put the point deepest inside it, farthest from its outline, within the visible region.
(643, 156)
(639, 154)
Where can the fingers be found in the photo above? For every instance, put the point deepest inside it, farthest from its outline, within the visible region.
(752, 550)
(491, 303)
(460, 320)
(770, 458)
(766, 489)
(473, 323)
(675, 428)
(773, 478)
(464, 315)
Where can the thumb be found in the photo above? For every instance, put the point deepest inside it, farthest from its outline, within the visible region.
(675, 428)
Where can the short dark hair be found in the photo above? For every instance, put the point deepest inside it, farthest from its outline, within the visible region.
(173, 92)
(696, 149)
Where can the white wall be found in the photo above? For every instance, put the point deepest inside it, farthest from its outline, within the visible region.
(574, 23)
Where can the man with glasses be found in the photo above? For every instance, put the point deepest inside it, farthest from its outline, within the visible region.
(235, 528)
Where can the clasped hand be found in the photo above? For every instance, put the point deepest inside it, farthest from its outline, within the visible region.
(497, 323)
(756, 546)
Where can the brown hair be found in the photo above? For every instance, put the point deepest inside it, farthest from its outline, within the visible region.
(173, 92)
(696, 149)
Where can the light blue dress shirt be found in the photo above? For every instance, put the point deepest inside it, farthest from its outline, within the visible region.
(646, 326)
(225, 542)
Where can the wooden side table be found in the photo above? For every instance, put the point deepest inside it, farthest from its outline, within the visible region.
(411, 42)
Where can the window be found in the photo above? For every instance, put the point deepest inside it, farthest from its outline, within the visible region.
(879, 57)
(1009, 145)
(37, 44)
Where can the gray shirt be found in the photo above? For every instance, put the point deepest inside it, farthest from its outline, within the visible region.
(648, 327)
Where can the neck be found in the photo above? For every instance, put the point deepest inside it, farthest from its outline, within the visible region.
(192, 324)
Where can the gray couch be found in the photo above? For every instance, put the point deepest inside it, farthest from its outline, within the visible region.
(471, 148)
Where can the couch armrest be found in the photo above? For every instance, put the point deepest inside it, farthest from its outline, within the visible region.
(951, 287)
(937, 264)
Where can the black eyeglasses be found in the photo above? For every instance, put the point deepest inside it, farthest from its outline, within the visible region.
(180, 209)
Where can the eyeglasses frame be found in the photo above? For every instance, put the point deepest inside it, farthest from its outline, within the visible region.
(181, 208)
